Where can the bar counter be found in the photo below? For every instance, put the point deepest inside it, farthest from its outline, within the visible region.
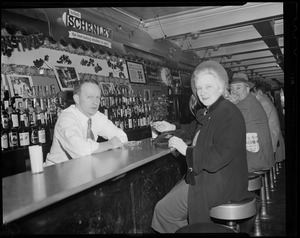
(25, 194)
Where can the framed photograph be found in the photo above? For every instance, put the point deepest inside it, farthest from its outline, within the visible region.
(66, 76)
(17, 84)
(136, 72)
(185, 80)
(147, 94)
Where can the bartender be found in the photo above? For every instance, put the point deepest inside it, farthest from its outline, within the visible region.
(79, 125)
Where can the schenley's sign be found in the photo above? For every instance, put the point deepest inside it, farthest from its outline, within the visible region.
(73, 19)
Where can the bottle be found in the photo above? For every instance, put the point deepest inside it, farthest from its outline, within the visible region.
(4, 138)
(13, 133)
(41, 130)
(23, 133)
(129, 117)
(6, 98)
(4, 130)
(16, 101)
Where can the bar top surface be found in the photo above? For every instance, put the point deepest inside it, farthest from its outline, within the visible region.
(25, 193)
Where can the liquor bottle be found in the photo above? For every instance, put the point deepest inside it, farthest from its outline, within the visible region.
(23, 133)
(4, 129)
(16, 101)
(13, 132)
(4, 138)
(6, 98)
(129, 117)
(41, 130)
(34, 138)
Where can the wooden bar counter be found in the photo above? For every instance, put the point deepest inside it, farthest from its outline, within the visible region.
(110, 192)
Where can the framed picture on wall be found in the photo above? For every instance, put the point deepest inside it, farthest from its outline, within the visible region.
(136, 72)
(185, 80)
(17, 83)
(66, 76)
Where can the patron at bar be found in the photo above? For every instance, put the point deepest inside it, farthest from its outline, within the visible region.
(216, 160)
(78, 127)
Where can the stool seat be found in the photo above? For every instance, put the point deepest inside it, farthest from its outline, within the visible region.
(235, 210)
(261, 171)
(254, 182)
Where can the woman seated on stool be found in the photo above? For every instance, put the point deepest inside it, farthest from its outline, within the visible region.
(216, 161)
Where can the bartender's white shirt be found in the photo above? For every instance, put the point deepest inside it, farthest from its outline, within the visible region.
(70, 133)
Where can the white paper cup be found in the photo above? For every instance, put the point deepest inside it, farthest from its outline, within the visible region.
(36, 158)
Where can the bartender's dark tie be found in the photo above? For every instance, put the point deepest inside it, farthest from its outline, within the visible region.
(89, 130)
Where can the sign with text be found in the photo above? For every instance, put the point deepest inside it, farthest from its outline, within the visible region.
(136, 72)
(90, 39)
(152, 74)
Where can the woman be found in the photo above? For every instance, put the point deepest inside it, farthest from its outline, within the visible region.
(216, 160)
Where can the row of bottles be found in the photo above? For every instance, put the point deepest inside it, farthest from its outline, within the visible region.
(126, 110)
(28, 120)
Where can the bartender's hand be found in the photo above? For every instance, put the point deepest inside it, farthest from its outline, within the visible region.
(162, 126)
(179, 144)
(115, 142)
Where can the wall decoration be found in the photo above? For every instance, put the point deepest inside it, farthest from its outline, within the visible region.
(185, 80)
(136, 72)
(186, 83)
(17, 84)
(166, 76)
(66, 76)
(147, 94)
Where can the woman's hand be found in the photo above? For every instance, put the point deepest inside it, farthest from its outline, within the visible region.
(179, 144)
(162, 126)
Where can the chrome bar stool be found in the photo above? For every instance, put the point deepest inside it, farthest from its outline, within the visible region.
(265, 176)
(255, 183)
(271, 175)
(263, 210)
(231, 212)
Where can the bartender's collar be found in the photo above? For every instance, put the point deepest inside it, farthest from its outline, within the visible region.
(82, 116)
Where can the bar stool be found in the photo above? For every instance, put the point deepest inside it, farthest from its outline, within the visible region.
(271, 175)
(231, 212)
(255, 183)
(265, 176)
(263, 210)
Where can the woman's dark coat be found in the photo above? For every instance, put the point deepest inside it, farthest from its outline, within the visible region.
(217, 164)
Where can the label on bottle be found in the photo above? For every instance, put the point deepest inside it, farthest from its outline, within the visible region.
(4, 120)
(15, 120)
(13, 139)
(24, 138)
(129, 123)
(42, 136)
(34, 136)
(4, 141)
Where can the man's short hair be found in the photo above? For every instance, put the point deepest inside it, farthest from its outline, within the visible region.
(78, 84)
(262, 88)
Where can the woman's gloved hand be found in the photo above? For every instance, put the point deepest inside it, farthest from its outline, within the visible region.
(179, 144)
(162, 126)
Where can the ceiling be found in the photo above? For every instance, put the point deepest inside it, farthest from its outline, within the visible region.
(245, 37)
(248, 37)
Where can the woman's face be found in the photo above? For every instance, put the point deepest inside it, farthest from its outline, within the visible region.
(208, 88)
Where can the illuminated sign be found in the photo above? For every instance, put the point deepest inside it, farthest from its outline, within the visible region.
(73, 19)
